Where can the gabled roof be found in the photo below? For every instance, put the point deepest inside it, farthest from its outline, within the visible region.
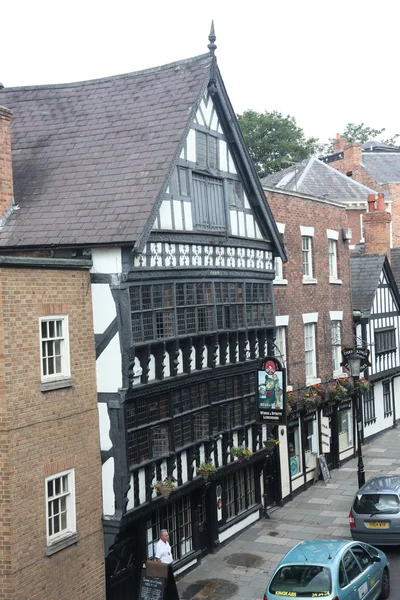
(366, 271)
(315, 178)
(90, 159)
(383, 166)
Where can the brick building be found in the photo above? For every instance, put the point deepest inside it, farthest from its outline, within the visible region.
(51, 530)
(376, 166)
(313, 319)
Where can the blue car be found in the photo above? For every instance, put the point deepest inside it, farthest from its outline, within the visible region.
(331, 569)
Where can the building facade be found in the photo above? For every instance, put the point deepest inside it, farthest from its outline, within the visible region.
(313, 322)
(161, 194)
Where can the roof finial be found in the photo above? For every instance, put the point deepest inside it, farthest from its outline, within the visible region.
(211, 46)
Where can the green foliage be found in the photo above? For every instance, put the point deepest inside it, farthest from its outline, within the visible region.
(208, 467)
(275, 142)
(362, 133)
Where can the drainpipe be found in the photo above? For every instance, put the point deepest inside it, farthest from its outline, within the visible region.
(394, 401)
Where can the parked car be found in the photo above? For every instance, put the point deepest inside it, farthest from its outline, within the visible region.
(331, 569)
(375, 514)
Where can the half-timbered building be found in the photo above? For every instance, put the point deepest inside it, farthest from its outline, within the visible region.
(147, 173)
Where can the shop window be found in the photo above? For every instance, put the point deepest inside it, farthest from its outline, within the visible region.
(345, 429)
(387, 399)
(369, 406)
(295, 450)
(177, 519)
(239, 492)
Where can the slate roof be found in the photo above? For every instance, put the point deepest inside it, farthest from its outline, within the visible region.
(395, 264)
(365, 274)
(90, 159)
(315, 178)
(383, 166)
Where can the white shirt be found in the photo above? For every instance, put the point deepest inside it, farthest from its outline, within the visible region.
(163, 552)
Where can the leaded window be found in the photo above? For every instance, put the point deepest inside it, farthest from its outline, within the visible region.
(171, 310)
(239, 491)
(158, 424)
(385, 340)
(206, 150)
(369, 406)
(387, 399)
(235, 194)
(208, 202)
(176, 518)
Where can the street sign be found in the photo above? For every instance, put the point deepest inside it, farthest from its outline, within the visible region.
(363, 353)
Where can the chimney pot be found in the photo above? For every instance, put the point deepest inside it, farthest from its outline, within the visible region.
(371, 202)
(381, 201)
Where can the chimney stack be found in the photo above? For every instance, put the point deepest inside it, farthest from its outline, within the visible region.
(6, 177)
(377, 226)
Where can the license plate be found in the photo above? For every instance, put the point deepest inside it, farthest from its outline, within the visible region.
(378, 525)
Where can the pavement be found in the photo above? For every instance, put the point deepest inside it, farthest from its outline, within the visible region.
(241, 568)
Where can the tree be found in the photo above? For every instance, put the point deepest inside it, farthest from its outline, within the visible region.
(361, 133)
(274, 141)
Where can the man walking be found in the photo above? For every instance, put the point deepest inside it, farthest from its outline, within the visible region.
(163, 552)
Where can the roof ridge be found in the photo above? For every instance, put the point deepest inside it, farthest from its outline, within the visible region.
(110, 77)
(339, 173)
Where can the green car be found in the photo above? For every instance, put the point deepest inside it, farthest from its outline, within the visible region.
(331, 569)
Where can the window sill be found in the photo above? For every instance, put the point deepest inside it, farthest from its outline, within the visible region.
(280, 281)
(313, 381)
(309, 280)
(61, 544)
(334, 280)
(388, 414)
(370, 422)
(47, 386)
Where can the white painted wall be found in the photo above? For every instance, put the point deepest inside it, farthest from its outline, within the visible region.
(225, 535)
(108, 367)
(381, 422)
(103, 305)
(106, 260)
(108, 487)
(284, 461)
(104, 426)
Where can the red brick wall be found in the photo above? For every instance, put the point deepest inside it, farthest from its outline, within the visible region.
(47, 432)
(297, 298)
(6, 179)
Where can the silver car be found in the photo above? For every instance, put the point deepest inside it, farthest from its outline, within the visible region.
(375, 515)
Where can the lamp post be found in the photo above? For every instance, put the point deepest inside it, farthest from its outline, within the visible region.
(354, 364)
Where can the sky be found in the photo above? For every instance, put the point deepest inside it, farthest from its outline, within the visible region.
(324, 63)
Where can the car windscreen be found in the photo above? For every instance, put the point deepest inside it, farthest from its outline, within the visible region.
(296, 581)
(375, 504)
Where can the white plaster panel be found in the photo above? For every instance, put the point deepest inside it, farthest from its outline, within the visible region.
(258, 232)
(152, 367)
(281, 227)
(191, 146)
(242, 229)
(202, 454)
(108, 367)
(214, 121)
(165, 215)
(250, 226)
(107, 472)
(207, 109)
(284, 461)
(225, 535)
(234, 222)
(106, 260)
(178, 215)
(223, 156)
(104, 426)
(104, 309)
(231, 164)
(184, 467)
(131, 494)
(246, 202)
(187, 211)
(199, 116)
(142, 485)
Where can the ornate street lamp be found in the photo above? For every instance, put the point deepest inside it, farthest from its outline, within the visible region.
(354, 361)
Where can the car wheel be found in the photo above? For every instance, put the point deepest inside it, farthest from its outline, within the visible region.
(385, 589)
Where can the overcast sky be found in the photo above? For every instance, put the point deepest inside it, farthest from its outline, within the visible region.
(325, 63)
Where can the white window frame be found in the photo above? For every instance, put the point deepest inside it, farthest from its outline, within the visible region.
(279, 279)
(333, 237)
(310, 348)
(70, 508)
(336, 316)
(65, 370)
(280, 342)
(307, 233)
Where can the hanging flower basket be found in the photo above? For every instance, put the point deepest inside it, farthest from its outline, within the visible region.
(166, 487)
(271, 445)
(291, 402)
(206, 469)
(337, 392)
(241, 452)
(363, 385)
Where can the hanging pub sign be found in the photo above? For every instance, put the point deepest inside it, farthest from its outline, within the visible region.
(271, 391)
(363, 353)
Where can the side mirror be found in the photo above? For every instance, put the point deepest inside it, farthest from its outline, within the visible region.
(376, 558)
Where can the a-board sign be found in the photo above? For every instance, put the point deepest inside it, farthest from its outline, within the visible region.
(152, 588)
(324, 468)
